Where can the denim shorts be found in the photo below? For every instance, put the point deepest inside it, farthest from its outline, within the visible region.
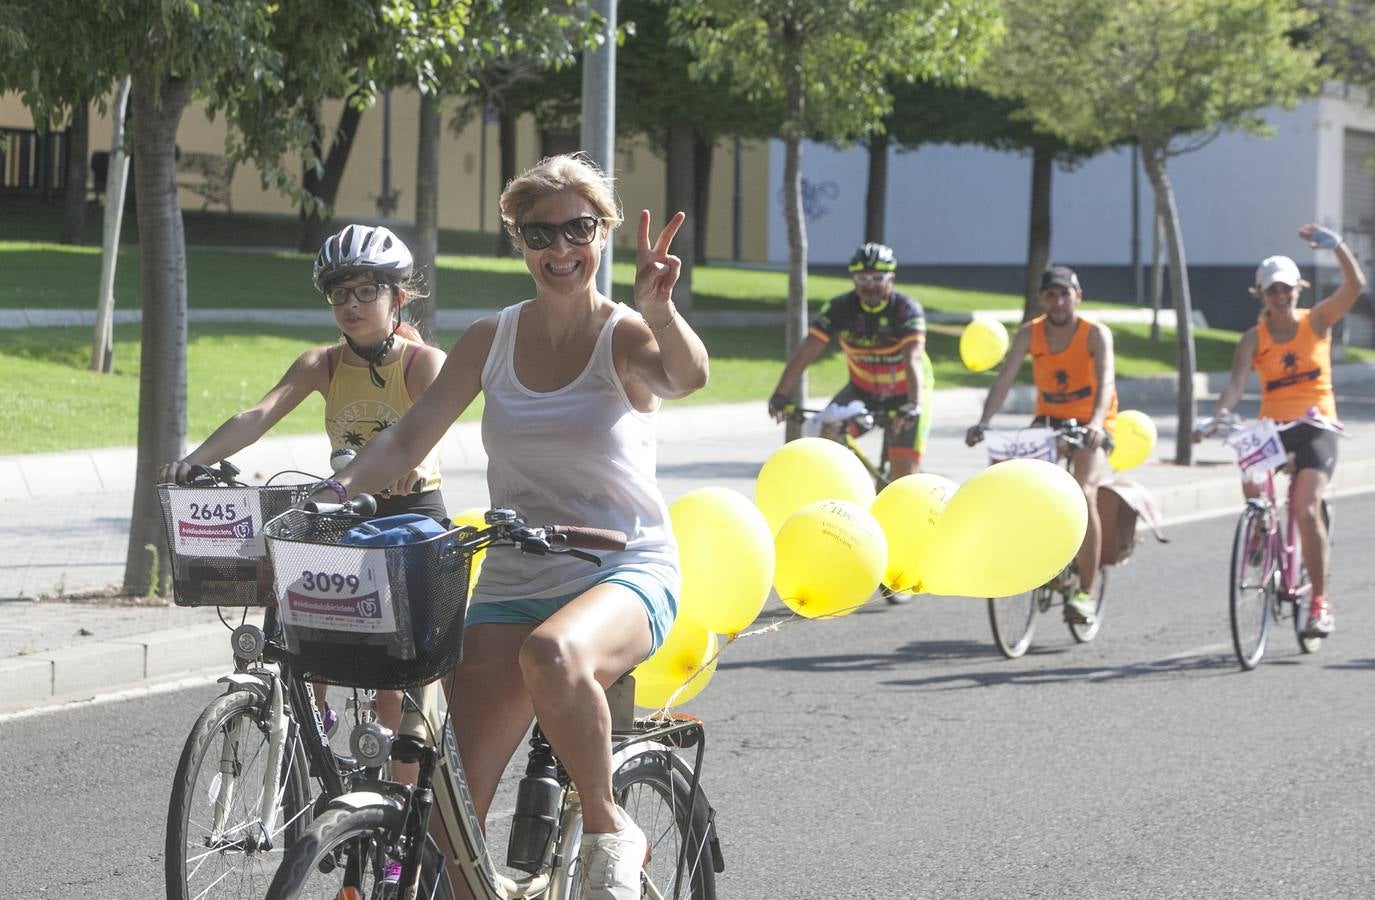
(659, 602)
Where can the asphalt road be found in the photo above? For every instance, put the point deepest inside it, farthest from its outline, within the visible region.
(893, 753)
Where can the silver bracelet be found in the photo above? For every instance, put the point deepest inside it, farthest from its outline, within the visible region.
(672, 317)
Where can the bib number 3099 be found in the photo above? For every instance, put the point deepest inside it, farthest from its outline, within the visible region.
(345, 590)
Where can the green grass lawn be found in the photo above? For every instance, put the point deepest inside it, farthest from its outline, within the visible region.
(53, 402)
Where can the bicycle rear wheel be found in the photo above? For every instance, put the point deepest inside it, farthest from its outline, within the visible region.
(654, 792)
(1014, 619)
(344, 854)
(1253, 587)
(216, 845)
(1084, 632)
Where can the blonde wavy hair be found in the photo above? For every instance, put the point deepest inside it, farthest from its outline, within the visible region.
(567, 171)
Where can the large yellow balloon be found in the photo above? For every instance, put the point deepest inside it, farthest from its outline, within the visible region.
(907, 510)
(725, 550)
(476, 517)
(1007, 530)
(687, 650)
(1133, 440)
(831, 557)
(805, 471)
(983, 344)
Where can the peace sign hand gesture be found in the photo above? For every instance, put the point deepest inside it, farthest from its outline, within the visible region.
(656, 271)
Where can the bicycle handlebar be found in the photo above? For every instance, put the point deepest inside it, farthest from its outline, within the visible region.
(364, 505)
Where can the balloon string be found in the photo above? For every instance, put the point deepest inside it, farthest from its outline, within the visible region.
(662, 713)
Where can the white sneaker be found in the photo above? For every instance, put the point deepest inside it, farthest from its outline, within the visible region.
(611, 863)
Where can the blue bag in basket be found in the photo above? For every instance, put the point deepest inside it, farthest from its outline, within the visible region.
(390, 531)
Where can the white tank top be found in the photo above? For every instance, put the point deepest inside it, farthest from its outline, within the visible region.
(580, 455)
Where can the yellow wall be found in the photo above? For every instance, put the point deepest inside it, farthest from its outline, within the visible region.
(465, 201)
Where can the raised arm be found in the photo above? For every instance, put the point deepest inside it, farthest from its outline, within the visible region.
(1326, 313)
(669, 358)
(310, 372)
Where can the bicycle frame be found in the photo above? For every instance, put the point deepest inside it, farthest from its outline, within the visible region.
(463, 842)
(1282, 542)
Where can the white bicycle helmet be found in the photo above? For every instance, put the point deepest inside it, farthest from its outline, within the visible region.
(362, 248)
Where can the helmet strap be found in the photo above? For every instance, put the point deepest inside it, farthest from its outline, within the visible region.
(374, 355)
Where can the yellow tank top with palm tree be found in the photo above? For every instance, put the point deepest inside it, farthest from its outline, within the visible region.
(356, 410)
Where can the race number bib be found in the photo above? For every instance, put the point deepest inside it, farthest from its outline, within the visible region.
(216, 522)
(1258, 449)
(1026, 443)
(345, 589)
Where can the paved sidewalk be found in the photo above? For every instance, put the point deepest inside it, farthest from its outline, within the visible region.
(57, 651)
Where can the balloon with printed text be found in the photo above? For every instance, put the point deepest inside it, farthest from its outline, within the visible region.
(476, 517)
(726, 554)
(1008, 529)
(831, 557)
(805, 471)
(687, 660)
(983, 343)
(907, 510)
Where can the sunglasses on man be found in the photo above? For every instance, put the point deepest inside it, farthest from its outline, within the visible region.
(870, 278)
(540, 235)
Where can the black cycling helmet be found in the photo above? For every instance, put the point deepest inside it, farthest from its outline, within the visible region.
(362, 248)
(874, 256)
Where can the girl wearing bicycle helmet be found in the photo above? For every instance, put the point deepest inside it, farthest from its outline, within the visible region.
(570, 382)
(368, 380)
(1291, 350)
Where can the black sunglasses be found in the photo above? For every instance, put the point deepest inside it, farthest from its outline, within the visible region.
(578, 232)
(367, 292)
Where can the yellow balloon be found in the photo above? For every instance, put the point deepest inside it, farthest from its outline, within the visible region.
(1133, 439)
(1008, 529)
(476, 517)
(725, 551)
(831, 557)
(805, 471)
(688, 649)
(907, 510)
(983, 344)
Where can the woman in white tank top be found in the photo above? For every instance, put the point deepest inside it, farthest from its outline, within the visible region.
(570, 381)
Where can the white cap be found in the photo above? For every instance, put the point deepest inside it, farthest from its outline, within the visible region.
(1280, 269)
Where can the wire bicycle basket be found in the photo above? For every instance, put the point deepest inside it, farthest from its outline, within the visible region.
(368, 616)
(215, 540)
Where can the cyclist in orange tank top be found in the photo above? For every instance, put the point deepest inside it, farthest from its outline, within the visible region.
(1291, 351)
(1072, 365)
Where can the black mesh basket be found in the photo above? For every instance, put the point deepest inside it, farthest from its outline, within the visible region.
(368, 617)
(215, 539)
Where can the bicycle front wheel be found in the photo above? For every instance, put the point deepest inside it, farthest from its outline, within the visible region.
(1253, 587)
(1014, 620)
(217, 845)
(345, 853)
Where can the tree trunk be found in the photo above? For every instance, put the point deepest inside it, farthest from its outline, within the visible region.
(876, 194)
(1038, 230)
(1155, 160)
(158, 104)
(427, 212)
(703, 151)
(795, 328)
(317, 219)
(506, 140)
(1157, 270)
(116, 180)
(681, 194)
(74, 192)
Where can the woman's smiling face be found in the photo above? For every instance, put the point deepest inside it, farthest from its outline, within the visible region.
(563, 268)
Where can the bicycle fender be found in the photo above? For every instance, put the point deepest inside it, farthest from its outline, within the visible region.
(244, 681)
(362, 799)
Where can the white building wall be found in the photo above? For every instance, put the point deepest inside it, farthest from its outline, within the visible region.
(1240, 198)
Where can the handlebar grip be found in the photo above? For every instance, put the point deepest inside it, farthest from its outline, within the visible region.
(585, 538)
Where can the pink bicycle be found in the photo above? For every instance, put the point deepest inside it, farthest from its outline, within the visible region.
(1269, 581)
